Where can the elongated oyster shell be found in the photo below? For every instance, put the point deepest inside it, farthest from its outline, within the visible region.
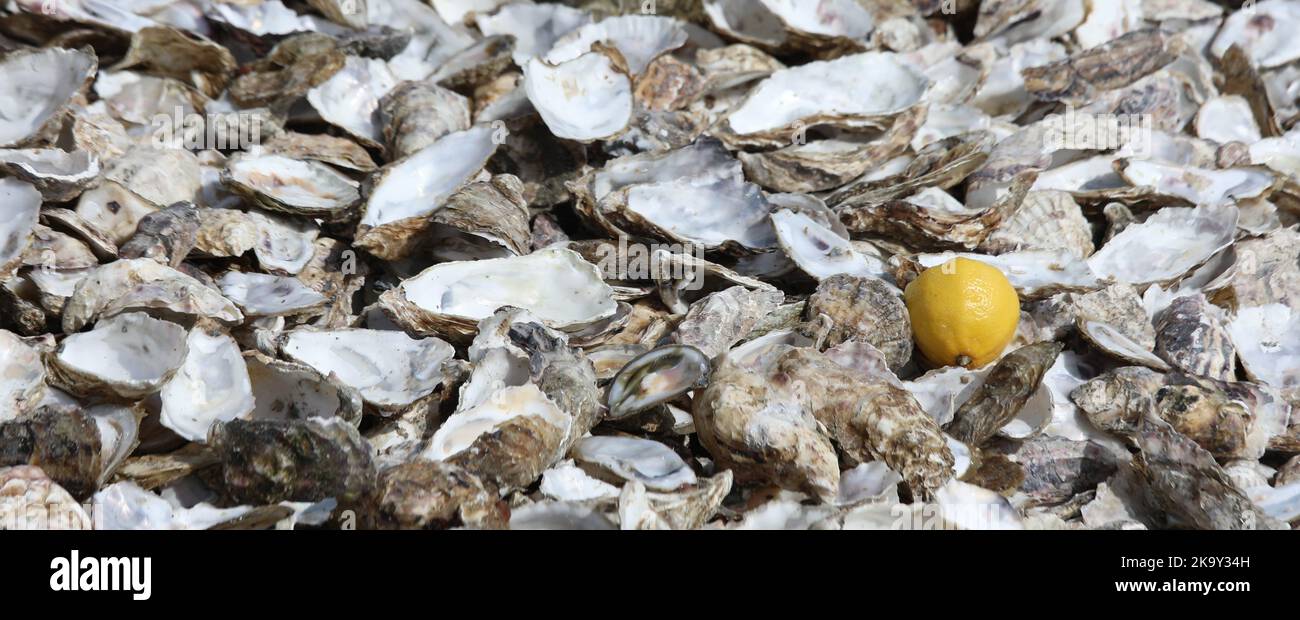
(656, 377)
(636, 460)
(285, 184)
(142, 283)
(400, 196)
(779, 108)
(267, 461)
(1186, 237)
(1189, 485)
(1013, 380)
(59, 175)
(452, 297)
(259, 294)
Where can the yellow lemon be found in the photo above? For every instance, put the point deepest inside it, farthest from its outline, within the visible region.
(963, 312)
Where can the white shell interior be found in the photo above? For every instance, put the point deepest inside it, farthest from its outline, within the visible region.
(388, 368)
(583, 99)
(860, 86)
(36, 86)
(313, 187)
(260, 294)
(556, 285)
(459, 431)
(132, 353)
(419, 184)
(647, 461)
(211, 386)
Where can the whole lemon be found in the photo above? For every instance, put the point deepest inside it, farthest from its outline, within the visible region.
(963, 313)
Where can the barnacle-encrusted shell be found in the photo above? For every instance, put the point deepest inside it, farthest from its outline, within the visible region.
(429, 495)
(867, 310)
(64, 441)
(270, 461)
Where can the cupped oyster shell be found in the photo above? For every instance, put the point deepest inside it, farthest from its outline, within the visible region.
(37, 86)
(129, 356)
(586, 98)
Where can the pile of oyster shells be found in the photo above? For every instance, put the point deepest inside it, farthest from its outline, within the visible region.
(624, 264)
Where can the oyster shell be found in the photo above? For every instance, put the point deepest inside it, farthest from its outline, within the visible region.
(259, 294)
(510, 438)
(451, 298)
(866, 310)
(417, 114)
(716, 322)
(1188, 484)
(425, 495)
(38, 86)
(142, 283)
(63, 441)
(639, 461)
(59, 175)
(23, 205)
(269, 461)
(1187, 237)
(1192, 337)
(1006, 389)
(655, 377)
(586, 98)
(389, 369)
(146, 353)
(211, 386)
(781, 106)
(285, 184)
